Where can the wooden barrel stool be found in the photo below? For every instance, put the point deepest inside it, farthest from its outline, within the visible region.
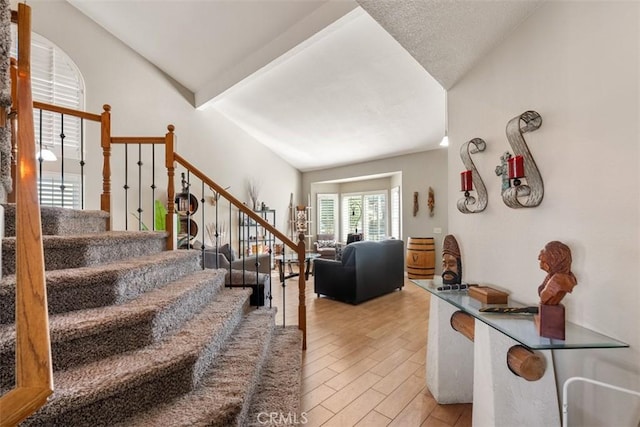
(421, 258)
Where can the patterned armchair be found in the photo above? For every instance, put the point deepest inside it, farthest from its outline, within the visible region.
(325, 245)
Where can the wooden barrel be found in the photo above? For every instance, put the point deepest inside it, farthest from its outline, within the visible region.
(421, 258)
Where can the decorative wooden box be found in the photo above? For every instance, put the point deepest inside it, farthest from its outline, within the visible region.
(488, 295)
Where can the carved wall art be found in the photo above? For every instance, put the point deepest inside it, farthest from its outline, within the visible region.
(471, 178)
(415, 203)
(431, 201)
(521, 165)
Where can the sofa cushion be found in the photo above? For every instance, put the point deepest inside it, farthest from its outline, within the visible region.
(321, 244)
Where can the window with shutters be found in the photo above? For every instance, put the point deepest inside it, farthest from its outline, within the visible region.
(395, 212)
(365, 213)
(327, 212)
(55, 80)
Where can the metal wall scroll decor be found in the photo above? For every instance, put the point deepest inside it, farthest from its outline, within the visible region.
(512, 169)
(470, 178)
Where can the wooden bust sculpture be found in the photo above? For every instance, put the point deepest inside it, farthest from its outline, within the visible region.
(451, 261)
(555, 259)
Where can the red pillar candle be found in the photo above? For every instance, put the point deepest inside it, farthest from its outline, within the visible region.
(466, 181)
(516, 167)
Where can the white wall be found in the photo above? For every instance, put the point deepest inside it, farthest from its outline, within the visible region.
(577, 64)
(144, 102)
(419, 171)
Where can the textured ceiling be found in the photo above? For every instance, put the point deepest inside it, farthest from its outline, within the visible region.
(448, 37)
(320, 82)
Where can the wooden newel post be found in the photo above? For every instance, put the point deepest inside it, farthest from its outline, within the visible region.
(302, 308)
(525, 363)
(171, 192)
(464, 323)
(105, 142)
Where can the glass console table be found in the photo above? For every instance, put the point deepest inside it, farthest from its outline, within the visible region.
(483, 372)
(520, 327)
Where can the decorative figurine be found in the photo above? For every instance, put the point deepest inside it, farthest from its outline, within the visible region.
(555, 259)
(431, 201)
(451, 261)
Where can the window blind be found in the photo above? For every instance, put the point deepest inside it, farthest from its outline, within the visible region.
(327, 213)
(55, 80)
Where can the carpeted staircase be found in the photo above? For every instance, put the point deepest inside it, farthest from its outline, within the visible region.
(144, 337)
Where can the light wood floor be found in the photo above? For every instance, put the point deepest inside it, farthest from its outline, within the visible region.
(365, 364)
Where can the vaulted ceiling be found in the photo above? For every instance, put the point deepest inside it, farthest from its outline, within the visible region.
(322, 83)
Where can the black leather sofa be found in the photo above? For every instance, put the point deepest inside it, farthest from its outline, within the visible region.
(367, 270)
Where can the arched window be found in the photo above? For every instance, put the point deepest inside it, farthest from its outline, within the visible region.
(55, 79)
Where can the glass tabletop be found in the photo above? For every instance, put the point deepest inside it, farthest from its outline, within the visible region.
(292, 257)
(520, 327)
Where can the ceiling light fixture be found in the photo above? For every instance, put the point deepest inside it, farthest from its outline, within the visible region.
(445, 138)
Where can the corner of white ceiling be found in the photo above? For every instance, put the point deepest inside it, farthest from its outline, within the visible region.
(279, 49)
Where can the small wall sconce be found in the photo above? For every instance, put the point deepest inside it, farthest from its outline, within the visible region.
(513, 169)
(471, 177)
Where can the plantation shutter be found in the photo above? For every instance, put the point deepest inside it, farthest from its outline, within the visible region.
(53, 193)
(395, 212)
(327, 213)
(55, 80)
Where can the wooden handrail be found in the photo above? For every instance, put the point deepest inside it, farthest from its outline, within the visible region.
(234, 201)
(68, 111)
(137, 140)
(34, 373)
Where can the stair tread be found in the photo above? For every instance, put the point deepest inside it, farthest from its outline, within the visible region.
(73, 325)
(57, 220)
(103, 284)
(280, 384)
(225, 391)
(106, 238)
(69, 277)
(89, 383)
(73, 251)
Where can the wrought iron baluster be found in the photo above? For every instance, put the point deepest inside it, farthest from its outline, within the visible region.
(153, 184)
(202, 224)
(82, 163)
(62, 137)
(40, 160)
(139, 210)
(126, 186)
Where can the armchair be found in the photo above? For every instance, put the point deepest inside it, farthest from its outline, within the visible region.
(325, 245)
(368, 269)
(242, 272)
(224, 257)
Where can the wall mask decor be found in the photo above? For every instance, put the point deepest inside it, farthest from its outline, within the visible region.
(470, 179)
(431, 201)
(521, 165)
(415, 203)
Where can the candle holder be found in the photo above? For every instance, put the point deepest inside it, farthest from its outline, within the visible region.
(470, 178)
(521, 165)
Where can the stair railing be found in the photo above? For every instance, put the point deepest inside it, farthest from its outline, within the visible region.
(34, 374)
(219, 191)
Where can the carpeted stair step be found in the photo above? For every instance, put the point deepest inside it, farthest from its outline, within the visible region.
(98, 286)
(223, 397)
(106, 391)
(60, 221)
(280, 385)
(62, 252)
(89, 335)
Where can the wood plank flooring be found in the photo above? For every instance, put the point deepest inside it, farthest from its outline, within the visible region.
(365, 364)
